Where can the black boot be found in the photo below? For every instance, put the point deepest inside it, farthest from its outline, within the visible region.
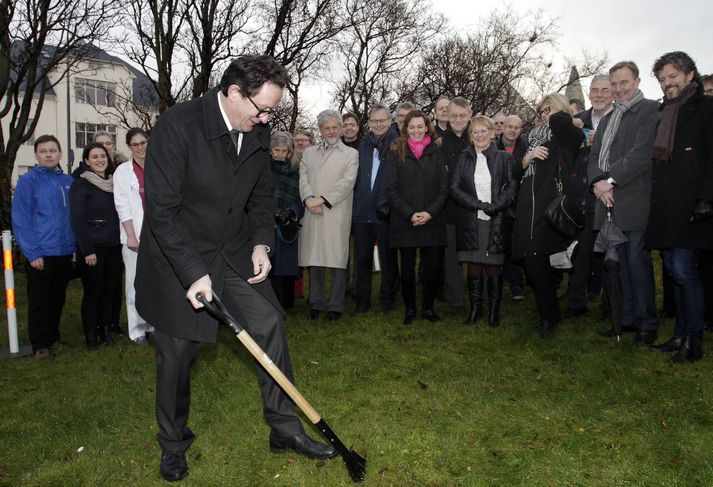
(495, 294)
(410, 316)
(107, 333)
(91, 339)
(430, 286)
(101, 335)
(690, 350)
(547, 328)
(673, 344)
(475, 292)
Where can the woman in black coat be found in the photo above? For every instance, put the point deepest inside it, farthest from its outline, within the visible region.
(483, 188)
(286, 193)
(96, 226)
(553, 148)
(417, 191)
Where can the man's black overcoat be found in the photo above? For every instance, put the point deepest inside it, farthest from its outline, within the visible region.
(206, 207)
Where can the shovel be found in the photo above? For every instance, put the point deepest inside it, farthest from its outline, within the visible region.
(356, 464)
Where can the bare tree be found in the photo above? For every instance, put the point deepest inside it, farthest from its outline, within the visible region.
(301, 35)
(156, 27)
(51, 37)
(377, 47)
(214, 28)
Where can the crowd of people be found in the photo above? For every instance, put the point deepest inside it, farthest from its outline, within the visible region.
(458, 204)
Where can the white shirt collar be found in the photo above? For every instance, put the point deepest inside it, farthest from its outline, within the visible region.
(227, 123)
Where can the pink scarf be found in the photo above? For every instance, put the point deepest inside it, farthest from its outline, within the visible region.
(418, 146)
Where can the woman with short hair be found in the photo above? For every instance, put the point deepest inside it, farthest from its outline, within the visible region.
(484, 189)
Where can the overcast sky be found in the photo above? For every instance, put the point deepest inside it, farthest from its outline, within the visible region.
(634, 30)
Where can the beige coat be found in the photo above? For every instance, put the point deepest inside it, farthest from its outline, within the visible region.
(324, 239)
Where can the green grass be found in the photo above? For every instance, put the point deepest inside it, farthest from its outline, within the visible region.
(430, 405)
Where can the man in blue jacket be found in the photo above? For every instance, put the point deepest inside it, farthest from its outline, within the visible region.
(369, 193)
(40, 222)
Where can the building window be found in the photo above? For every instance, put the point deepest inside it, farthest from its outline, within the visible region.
(95, 92)
(85, 132)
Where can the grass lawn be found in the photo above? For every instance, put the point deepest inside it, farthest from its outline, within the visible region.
(430, 405)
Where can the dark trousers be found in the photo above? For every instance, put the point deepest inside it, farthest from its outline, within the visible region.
(318, 290)
(46, 291)
(432, 263)
(265, 325)
(99, 282)
(452, 270)
(544, 280)
(682, 266)
(705, 267)
(365, 235)
(637, 282)
(582, 270)
(118, 299)
(284, 287)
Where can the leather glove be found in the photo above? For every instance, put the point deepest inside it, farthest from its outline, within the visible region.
(702, 211)
(490, 210)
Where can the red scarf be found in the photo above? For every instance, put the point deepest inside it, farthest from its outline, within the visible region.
(418, 146)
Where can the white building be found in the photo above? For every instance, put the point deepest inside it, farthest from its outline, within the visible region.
(98, 95)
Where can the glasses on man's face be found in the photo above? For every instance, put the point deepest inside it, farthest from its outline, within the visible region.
(136, 145)
(458, 116)
(378, 121)
(708, 91)
(544, 111)
(261, 112)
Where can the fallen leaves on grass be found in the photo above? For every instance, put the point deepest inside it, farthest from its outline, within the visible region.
(423, 385)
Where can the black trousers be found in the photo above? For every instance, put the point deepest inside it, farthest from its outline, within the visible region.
(284, 287)
(365, 235)
(582, 271)
(99, 282)
(265, 325)
(544, 280)
(432, 263)
(46, 291)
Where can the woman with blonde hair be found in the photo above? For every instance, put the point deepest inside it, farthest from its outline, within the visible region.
(553, 147)
(484, 189)
(286, 194)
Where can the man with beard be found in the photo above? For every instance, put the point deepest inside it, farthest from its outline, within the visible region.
(369, 228)
(327, 174)
(351, 135)
(681, 219)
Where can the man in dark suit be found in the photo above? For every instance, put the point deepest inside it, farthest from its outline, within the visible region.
(209, 225)
(620, 176)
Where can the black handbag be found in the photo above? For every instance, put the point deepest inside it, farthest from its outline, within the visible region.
(561, 218)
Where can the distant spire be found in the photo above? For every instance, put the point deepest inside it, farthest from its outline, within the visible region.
(574, 86)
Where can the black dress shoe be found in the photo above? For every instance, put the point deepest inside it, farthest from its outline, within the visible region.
(430, 315)
(302, 444)
(575, 312)
(644, 338)
(360, 309)
(387, 307)
(690, 350)
(547, 328)
(333, 315)
(173, 466)
(410, 316)
(313, 314)
(673, 344)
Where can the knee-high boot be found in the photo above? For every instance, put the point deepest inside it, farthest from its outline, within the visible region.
(475, 292)
(495, 294)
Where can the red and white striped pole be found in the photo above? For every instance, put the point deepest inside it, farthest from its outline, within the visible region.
(10, 292)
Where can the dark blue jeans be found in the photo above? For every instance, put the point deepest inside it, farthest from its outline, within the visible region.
(688, 295)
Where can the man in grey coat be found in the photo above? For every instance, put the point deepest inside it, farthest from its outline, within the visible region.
(620, 175)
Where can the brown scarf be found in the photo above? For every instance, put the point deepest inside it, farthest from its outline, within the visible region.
(663, 147)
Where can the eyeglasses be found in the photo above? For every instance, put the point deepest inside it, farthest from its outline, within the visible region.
(139, 144)
(378, 121)
(544, 111)
(261, 112)
(708, 91)
(458, 116)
